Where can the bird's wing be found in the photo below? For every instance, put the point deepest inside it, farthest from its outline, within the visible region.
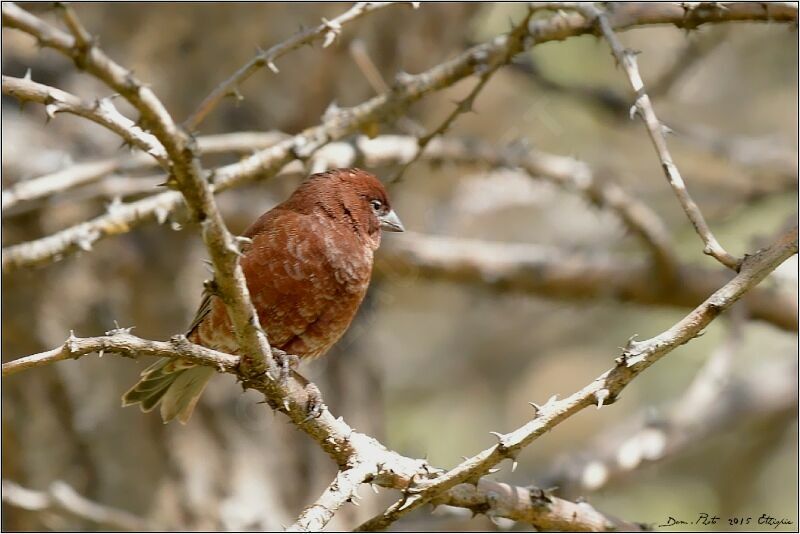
(298, 282)
(202, 310)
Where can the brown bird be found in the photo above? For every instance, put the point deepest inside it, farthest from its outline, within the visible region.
(307, 266)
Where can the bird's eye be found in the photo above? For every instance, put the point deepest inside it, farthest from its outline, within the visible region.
(376, 204)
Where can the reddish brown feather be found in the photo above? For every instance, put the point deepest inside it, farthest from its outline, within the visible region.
(308, 266)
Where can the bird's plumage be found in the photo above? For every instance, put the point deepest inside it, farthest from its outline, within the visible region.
(307, 266)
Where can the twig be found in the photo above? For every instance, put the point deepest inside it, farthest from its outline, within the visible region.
(121, 342)
(617, 453)
(627, 59)
(372, 461)
(62, 498)
(358, 51)
(85, 173)
(635, 358)
(43, 186)
(344, 488)
(422, 482)
(533, 506)
(184, 166)
(268, 162)
(565, 172)
(517, 34)
(329, 29)
(102, 112)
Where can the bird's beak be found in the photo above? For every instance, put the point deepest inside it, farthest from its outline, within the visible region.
(391, 222)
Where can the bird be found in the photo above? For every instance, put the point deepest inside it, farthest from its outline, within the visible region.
(307, 263)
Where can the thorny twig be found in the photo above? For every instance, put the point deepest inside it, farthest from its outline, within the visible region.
(636, 357)
(627, 59)
(328, 29)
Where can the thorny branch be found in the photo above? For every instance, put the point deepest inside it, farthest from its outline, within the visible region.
(360, 457)
(266, 163)
(635, 358)
(466, 105)
(713, 404)
(424, 483)
(347, 447)
(101, 111)
(185, 169)
(627, 59)
(328, 29)
(82, 174)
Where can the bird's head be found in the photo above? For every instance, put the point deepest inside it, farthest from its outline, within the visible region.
(351, 197)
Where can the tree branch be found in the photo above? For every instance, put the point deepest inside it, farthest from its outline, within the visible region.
(625, 448)
(26, 191)
(635, 358)
(329, 29)
(627, 59)
(62, 498)
(184, 167)
(552, 273)
(102, 112)
(421, 482)
(406, 90)
(344, 488)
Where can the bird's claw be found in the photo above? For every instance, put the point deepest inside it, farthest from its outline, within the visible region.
(286, 362)
(315, 405)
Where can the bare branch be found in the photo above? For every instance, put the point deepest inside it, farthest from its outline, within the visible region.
(344, 488)
(43, 186)
(184, 166)
(82, 174)
(532, 506)
(329, 30)
(63, 499)
(102, 112)
(371, 460)
(517, 33)
(627, 59)
(423, 483)
(623, 449)
(552, 273)
(121, 342)
(268, 162)
(636, 357)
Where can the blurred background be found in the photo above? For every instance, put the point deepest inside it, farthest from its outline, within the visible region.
(429, 367)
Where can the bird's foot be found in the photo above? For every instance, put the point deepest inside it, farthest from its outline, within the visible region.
(315, 405)
(286, 362)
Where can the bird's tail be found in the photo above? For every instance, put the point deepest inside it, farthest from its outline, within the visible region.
(176, 384)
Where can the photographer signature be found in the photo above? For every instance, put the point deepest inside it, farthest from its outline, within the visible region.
(704, 519)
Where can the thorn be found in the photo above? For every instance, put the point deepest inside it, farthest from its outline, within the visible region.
(100, 353)
(27, 75)
(374, 488)
(161, 214)
(634, 109)
(514, 465)
(51, 110)
(493, 470)
(334, 28)
(535, 407)
(286, 404)
(498, 435)
(601, 396)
